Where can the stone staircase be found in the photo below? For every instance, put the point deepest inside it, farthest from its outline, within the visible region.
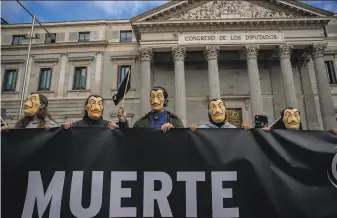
(61, 110)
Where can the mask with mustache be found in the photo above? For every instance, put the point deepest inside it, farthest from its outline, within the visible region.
(31, 105)
(291, 119)
(217, 111)
(95, 107)
(157, 100)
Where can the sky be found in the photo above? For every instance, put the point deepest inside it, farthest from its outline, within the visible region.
(55, 11)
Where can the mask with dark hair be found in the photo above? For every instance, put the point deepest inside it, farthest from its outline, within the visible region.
(94, 107)
(291, 118)
(35, 107)
(158, 98)
(216, 111)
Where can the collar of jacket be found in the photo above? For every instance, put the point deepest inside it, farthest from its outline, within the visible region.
(89, 120)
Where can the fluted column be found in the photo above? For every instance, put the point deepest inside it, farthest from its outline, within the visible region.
(211, 54)
(145, 55)
(323, 86)
(179, 54)
(60, 89)
(287, 75)
(251, 51)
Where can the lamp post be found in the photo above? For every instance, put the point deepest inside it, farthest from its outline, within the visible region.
(26, 68)
(31, 37)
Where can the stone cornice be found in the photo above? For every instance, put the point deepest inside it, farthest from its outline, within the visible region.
(68, 23)
(236, 20)
(102, 43)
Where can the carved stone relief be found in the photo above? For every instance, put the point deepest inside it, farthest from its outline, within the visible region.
(145, 54)
(284, 50)
(229, 9)
(178, 53)
(317, 50)
(211, 52)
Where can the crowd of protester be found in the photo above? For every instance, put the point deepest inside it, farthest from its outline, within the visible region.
(36, 115)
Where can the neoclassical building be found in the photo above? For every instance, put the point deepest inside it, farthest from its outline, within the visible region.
(259, 56)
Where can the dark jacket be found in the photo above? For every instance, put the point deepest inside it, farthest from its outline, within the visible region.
(145, 121)
(87, 122)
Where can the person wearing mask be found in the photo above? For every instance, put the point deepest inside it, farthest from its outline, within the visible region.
(36, 113)
(290, 119)
(93, 116)
(159, 117)
(216, 116)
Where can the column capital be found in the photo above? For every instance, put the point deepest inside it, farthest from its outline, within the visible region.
(178, 52)
(317, 50)
(212, 52)
(284, 50)
(251, 51)
(145, 54)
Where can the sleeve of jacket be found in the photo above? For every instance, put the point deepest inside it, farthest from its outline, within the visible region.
(123, 125)
(179, 123)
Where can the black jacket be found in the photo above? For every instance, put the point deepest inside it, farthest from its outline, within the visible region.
(145, 121)
(87, 122)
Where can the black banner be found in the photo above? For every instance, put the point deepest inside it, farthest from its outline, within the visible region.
(87, 172)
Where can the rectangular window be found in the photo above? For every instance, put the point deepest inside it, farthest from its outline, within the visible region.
(84, 36)
(9, 82)
(122, 71)
(50, 38)
(126, 36)
(331, 72)
(45, 78)
(80, 78)
(17, 40)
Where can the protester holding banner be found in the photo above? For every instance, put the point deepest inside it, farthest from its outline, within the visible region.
(216, 116)
(36, 113)
(158, 117)
(93, 116)
(290, 119)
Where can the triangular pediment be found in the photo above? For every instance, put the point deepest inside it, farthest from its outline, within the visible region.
(228, 10)
(222, 9)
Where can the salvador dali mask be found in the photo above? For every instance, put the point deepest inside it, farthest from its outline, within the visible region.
(217, 111)
(157, 100)
(291, 119)
(95, 107)
(31, 105)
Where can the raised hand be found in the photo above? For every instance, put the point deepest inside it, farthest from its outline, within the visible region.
(121, 114)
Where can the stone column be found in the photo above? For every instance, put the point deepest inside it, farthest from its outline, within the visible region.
(211, 53)
(287, 75)
(251, 51)
(323, 86)
(179, 54)
(60, 90)
(98, 72)
(145, 55)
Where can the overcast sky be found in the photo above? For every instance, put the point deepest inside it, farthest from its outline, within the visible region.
(51, 11)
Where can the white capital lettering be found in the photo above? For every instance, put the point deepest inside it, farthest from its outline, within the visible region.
(219, 193)
(117, 192)
(191, 179)
(35, 193)
(150, 195)
(76, 194)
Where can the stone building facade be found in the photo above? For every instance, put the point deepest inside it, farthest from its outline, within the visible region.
(258, 56)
